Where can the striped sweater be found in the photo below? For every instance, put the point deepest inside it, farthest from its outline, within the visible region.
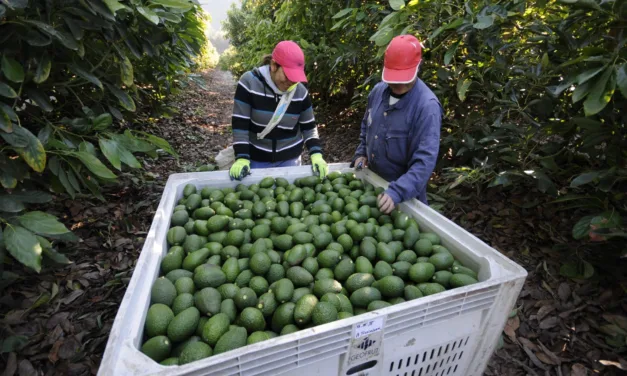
(255, 103)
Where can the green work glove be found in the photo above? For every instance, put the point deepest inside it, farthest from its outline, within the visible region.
(240, 169)
(319, 165)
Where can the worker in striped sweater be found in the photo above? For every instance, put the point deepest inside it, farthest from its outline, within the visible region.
(273, 115)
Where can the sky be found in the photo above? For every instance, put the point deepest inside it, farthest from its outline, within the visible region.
(217, 9)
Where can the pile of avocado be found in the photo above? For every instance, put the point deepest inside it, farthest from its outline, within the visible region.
(248, 264)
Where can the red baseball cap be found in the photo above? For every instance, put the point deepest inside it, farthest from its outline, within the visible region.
(289, 56)
(402, 59)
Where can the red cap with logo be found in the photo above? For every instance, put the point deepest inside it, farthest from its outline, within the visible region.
(402, 59)
(292, 59)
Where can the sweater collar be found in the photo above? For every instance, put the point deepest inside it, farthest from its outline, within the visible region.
(265, 73)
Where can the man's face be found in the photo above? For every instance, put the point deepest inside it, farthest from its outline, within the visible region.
(400, 89)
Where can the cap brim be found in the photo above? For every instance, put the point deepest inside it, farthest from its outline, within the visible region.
(394, 76)
(295, 74)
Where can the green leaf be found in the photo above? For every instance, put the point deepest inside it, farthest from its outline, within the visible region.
(33, 153)
(450, 53)
(24, 246)
(582, 228)
(13, 343)
(601, 93)
(148, 14)
(577, 270)
(342, 13)
(7, 278)
(160, 143)
(116, 153)
(114, 5)
(86, 75)
(40, 98)
(94, 165)
(32, 197)
(110, 149)
(397, 4)
(18, 138)
(43, 69)
(12, 69)
(102, 121)
(462, 88)
(126, 71)
(581, 91)
(5, 122)
(16, 4)
(585, 178)
(608, 219)
(483, 22)
(42, 223)
(621, 79)
(177, 4)
(585, 76)
(87, 147)
(125, 100)
(65, 39)
(501, 179)
(10, 205)
(7, 91)
(392, 19)
(383, 36)
(57, 257)
(7, 180)
(9, 111)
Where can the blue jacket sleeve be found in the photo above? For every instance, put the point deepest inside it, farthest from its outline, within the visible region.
(425, 144)
(361, 149)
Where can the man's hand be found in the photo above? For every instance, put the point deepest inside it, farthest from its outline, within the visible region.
(361, 162)
(386, 204)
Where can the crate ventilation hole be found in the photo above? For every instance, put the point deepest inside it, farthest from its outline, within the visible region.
(439, 361)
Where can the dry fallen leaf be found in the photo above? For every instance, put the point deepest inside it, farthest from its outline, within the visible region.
(511, 326)
(545, 359)
(564, 291)
(578, 369)
(53, 355)
(549, 323)
(25, 368)
(621, 364)
(544, 311)
(528, 344)
(552, 357)
(534, 359)
(11, 365)
(620, 321)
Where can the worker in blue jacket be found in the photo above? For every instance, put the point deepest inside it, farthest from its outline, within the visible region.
(400, 132)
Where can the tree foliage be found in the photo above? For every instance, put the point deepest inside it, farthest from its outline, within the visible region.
(534, 91)
(70, 73)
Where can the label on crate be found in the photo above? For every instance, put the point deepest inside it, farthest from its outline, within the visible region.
(365, 352)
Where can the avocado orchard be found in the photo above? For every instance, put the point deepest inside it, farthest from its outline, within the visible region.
(69, 71)
(534, 91)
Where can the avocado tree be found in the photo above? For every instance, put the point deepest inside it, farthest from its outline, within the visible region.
(72, 75)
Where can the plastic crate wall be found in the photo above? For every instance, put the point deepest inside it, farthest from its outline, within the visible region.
(451, 333)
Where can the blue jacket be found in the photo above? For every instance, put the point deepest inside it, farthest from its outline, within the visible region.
(402, 141)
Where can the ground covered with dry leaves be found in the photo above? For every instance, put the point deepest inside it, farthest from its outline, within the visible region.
(58, 321)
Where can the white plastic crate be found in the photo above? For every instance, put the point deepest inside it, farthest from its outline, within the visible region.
(450, 333)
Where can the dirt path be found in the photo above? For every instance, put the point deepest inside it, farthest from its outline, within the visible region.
(58, 321)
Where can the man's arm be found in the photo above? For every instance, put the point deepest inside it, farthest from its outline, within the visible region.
(425, 145)
(240, 119)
